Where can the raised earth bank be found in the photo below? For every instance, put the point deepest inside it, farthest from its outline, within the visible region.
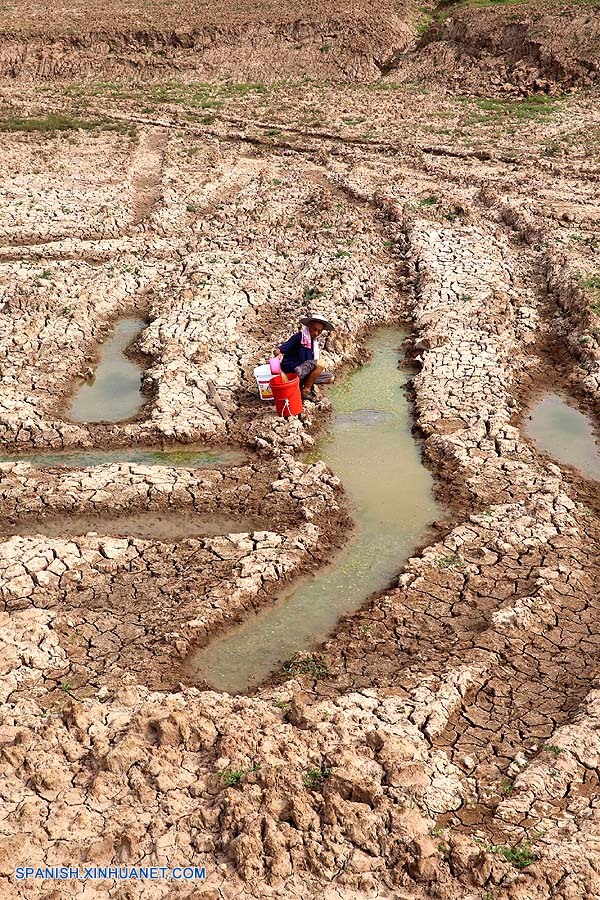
(522, 46)
(344, 41)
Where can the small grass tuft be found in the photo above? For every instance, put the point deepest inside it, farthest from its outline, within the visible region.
(553, 748)
(308, 665)
(234, 777)
(520, 857)
(506, 788)
(450, 562)
(312, 293)
(314, 778)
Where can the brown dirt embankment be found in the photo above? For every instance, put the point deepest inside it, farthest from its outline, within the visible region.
(524, 46)
(345, 41)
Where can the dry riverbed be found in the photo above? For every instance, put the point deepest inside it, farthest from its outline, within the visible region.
(444, 741)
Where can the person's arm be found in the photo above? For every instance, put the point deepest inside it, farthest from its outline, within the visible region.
(288, 345)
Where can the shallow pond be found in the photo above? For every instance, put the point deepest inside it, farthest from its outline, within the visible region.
(189, 456)
(564, 433)
(371, 448)
(114, 393)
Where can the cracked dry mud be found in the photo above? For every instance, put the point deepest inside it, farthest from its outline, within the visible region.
(456, 727)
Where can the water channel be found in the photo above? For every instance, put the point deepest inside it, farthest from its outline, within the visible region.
(113, 394)
(151, 524)
(371, 448)
(189, 456)
(565, 433)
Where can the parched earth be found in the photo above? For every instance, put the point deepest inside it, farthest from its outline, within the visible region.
(444, 742)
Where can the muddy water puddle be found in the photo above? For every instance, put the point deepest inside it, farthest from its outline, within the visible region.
(188, 457)
(565, 433)
(113, 394)
(371, 448)
(147, 525)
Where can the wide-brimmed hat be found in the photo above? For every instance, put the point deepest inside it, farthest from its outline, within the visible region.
(324, 322)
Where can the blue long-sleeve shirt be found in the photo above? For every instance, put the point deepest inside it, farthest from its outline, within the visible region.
(294, 353)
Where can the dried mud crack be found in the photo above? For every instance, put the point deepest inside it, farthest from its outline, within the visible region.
(218, 182)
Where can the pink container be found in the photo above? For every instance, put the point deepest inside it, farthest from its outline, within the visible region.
(275, 364)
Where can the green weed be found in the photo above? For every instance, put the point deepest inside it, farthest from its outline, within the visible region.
(314, 778)
(520, 857)
(424, 21)
(233, 777)
(450, 562)
(506, 788)
(312, 293)
(308, 665)
(55, 122)
(552, 748)
(591, 282)
(489, 111)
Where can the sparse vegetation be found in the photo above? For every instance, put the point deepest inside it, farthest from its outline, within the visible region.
(314, 778)
(312, 293)
(308, 665)
(494, 111)
(234, 777)
(506, 788)
(519, 856)
(450, 562)
(51, 123)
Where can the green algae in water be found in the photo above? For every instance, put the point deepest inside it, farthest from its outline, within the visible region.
(564, 433)
(114, 394)
(371, 448)
(187, 457)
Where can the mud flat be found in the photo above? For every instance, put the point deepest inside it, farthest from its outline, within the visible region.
(429, 169)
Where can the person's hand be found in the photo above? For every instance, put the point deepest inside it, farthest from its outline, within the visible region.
(278, 353)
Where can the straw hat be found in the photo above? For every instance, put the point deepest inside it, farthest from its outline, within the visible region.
(324, 322)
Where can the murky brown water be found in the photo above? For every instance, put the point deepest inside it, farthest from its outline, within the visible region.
(565, 433)
(114, 393)
(371, 448)
(148, 525)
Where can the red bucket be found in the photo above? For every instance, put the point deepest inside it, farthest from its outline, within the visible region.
(287, 396)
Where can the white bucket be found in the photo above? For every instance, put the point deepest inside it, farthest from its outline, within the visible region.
(263, 377)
